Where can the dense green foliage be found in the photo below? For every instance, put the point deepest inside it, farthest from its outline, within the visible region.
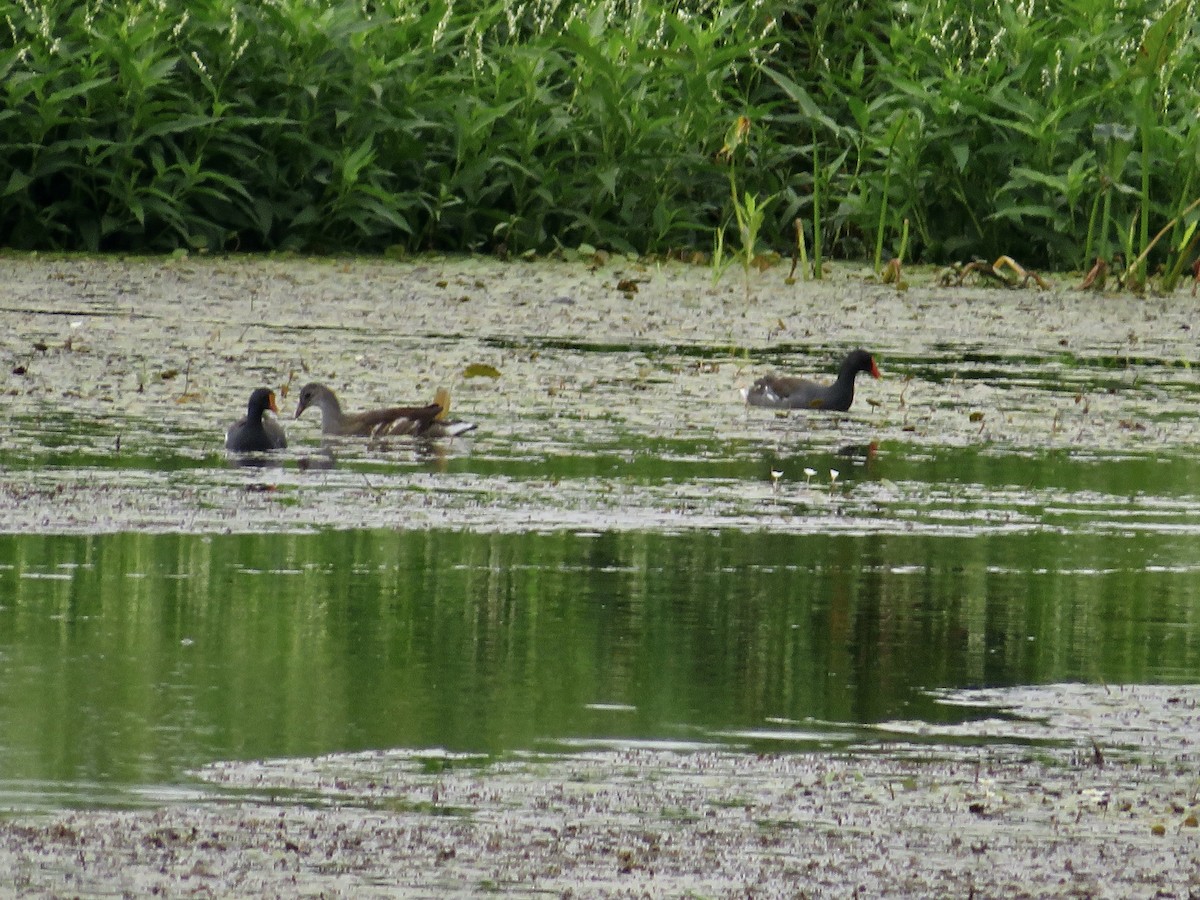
(1051, 131)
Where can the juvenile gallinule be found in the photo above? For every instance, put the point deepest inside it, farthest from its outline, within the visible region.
(783, 392)
(254, 433)
(418, 421)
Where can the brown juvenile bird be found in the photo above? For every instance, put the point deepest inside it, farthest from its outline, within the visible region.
(253, 433)
(784, 392)
(417, 421)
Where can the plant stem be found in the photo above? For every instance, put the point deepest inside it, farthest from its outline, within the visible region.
(1140, 262)
(1145, 223)
(816, 208)
(887, 192)
(802, 248)
(1089, 242)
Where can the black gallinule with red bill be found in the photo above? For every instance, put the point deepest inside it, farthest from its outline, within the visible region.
(784, 392)
(418, 421)
(254, 433)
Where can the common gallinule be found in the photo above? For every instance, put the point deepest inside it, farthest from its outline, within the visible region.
(254, 433)
(783, 392)
(418, 421)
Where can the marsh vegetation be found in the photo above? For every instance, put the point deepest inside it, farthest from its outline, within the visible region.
(1054, 133)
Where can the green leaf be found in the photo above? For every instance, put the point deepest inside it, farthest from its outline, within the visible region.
(857, 69)
(801, 98)
(962, 154)
(860, 111)
(1028, 210)
(75, 90)
(17, 182)
(176, 125)
(1032, 176)
(161, 69)
(358, 159)
(1160, 41)
(1186, 237)
(608, 179)
(306, 216)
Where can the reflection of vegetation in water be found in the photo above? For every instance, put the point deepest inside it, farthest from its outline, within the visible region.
(130, 656)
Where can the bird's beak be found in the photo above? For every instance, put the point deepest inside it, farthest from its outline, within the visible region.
(874, 369)
(271, 403)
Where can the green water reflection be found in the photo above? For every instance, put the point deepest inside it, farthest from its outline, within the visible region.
(131, 657)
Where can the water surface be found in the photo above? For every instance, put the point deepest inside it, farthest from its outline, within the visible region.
(134, 657)
(621, 553)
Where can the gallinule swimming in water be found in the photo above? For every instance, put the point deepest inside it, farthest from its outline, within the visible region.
(418, 421)
(782, 392)
(254, 433)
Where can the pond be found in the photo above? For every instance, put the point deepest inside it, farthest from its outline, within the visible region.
(621, 554)
(133, 658)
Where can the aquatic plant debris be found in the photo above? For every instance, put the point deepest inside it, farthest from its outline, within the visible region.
(987, 817)
(607, 416)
